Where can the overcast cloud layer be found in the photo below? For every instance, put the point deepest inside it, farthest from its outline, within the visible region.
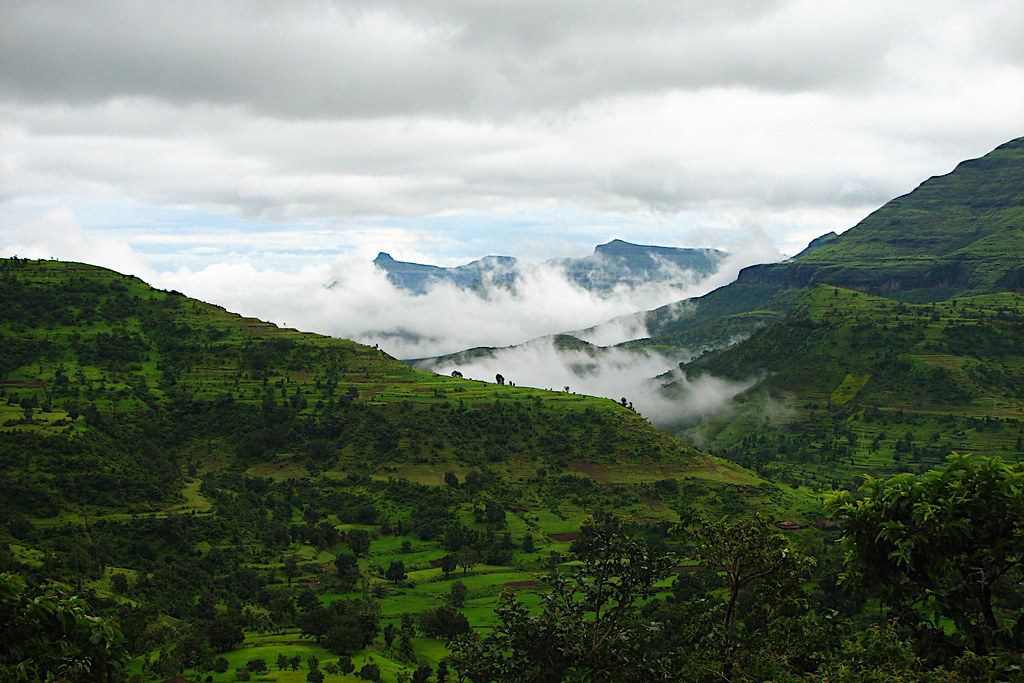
(218, 146)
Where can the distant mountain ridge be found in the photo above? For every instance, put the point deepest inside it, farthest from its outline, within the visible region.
(617, 263)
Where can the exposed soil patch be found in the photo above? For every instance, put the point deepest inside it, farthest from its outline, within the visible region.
(521, 584)
(570, 536)
(587, 469)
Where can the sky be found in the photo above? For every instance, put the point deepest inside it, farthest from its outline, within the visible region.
(251, 152)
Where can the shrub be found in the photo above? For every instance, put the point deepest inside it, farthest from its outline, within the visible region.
(370, 672)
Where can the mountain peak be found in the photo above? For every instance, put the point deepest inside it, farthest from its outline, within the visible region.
(617, 246)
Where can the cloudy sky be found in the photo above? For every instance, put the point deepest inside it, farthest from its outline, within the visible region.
(230, 147)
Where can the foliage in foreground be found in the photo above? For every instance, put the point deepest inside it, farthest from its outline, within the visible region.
(943, 548)
(589, 625)
(49, 634)
(943, 551)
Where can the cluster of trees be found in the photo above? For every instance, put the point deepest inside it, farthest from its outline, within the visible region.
(941, 553)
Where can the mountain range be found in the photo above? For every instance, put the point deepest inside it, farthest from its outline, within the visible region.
(615, 264)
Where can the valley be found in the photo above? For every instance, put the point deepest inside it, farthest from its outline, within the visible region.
(234, 500)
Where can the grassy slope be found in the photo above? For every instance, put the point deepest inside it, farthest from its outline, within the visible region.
(848, 376)
(140, 424)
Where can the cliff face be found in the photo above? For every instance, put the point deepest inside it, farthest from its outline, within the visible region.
(917, 277)
(960, 232)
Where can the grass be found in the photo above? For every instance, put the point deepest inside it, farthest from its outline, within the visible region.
(557, 457)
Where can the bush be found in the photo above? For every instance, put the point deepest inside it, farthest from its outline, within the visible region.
(370, 672)
(444, 622)
(256, 665)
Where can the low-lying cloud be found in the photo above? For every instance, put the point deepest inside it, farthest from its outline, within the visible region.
(609, 372)
(353, 299)
(350, 297)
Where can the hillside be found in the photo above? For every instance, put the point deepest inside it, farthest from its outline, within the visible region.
(183, 467)
(954, 235)
(851, 383)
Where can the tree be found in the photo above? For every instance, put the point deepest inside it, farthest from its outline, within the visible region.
(256, 666)
(590, 624)
(291, 567)
(747, 615)
(307, 599)
(346, 569)
(422, 673)
(499, 378)
(344, 626)
(359, 541)
(444, 622)
(345, 665)
(494, 512)
(390, 631)
(370, 672)
(467, 558)
(395, 571)
(448, 564)
(945, 545)
(747, 551)
(48, 633)
(224, 633)
(457, 596)
(528, 546)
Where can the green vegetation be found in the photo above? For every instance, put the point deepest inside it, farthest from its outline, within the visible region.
(228, 500)
(855, 384)
(955, 235)
(757, 608)
(230, 492)
(48, 633)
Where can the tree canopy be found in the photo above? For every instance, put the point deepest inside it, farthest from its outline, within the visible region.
(48, 633)
(943, 548)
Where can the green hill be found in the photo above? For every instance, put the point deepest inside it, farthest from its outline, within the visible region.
(182, 466)
(955, 235)
(878, 350)
(853, 383)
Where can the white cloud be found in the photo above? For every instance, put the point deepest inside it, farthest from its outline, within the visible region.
(340, 112)
(250, 152)
(611, 373)
(57, 234)
(349, 297)
(353, 299)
